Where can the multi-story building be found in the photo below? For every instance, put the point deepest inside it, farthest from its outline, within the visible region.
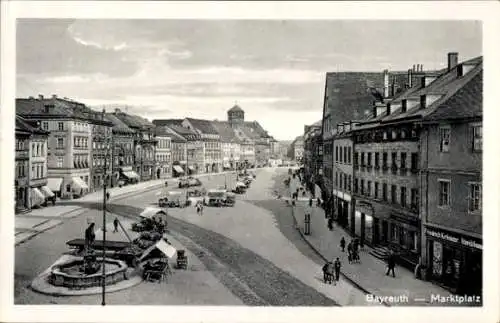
(102, 150)
(69, 124)
(387, 154)
(347, 95)
(21, 174)
(163, 153)
(30, 160)
(178, 151)
(210, 138)
(144, 144)
(451, 176)
(123, 152)
(312, 144)
(230, 145)
(297, 149)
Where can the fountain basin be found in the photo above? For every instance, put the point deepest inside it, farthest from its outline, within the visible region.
(67, 274)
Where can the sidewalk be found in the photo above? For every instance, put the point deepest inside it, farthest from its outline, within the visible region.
(370, 273)
(28, 225)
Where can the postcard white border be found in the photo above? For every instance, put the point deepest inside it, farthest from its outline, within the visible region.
(487, 12)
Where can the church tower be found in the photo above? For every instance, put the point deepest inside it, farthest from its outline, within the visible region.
(235, 116)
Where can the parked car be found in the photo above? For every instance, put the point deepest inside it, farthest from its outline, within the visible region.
(215, 197)
(189, 182)
(195, 196)
(173, 199)
(240, 188)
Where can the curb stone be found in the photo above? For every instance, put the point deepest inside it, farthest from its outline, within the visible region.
(80, 210)
(364, 290)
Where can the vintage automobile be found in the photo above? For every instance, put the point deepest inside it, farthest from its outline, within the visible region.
(195, 196)
(240, 188)
(215, 197)
(173, 199)
(189, 182)
(230, 199)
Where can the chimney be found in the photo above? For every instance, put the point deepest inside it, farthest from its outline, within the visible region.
(386, 83)
(40, 96)
(388, 109)
(452, 60)
(410, 76)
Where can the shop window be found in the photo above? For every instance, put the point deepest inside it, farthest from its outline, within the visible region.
(445, 136)
(477, 138)
(475, 197)
(444, 192)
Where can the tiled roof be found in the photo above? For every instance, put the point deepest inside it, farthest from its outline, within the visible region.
(59, 108)
(255, 125)
(175, 137)
(348, 94)
(465, 103)
(236, 108)
(118, 125)
(445, 85)
(24, 126)
(225, 131)
(129, 120)
(204, 126)
(167, 122)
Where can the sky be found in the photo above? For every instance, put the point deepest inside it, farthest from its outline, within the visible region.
(273, 69)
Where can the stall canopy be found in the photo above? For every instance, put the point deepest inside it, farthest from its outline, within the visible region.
(54, 184)
(117, 236)
(78, 184)
(37, 197)
(46, 191)
(240, 184)
(150, 212)
(131, 174)
(226, 165)
(178, 169)
(191, 168)
(163, 247)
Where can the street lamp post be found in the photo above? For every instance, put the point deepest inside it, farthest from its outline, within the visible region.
(104, 200)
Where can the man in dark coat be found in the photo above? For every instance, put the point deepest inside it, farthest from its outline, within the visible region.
(337, 266)
(342, 244)
(391, 264)
(90, 235)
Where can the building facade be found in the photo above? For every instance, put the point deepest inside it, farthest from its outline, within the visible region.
(210, 138)
(451, 180)
(163, 153)
(230, 146)
(101, 152)
(123, 152)
(69, 124)
(21, 173)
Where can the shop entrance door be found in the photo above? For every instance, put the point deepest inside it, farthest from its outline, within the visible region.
(385, 231)
(472, 280)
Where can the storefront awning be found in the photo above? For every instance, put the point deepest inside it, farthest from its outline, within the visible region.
(131, 174)
(191, 168)
(46, 191)
(79, 184)
(178, 169)
(162, 246)
(226, 165)
(54, 184)
(37, 197)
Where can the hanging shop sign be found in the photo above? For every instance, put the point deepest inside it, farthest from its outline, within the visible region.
(455, 239)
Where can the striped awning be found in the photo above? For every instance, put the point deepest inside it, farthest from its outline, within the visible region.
(46, 191)
(131, 174)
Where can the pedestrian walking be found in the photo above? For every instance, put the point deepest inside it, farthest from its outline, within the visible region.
(115, 223)
(342, 244)
(107, 196)
(310, 202)
(349, 251)
(391, 264)
(330, 224)
(198, 208)
(337, 266)
(318, 202)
